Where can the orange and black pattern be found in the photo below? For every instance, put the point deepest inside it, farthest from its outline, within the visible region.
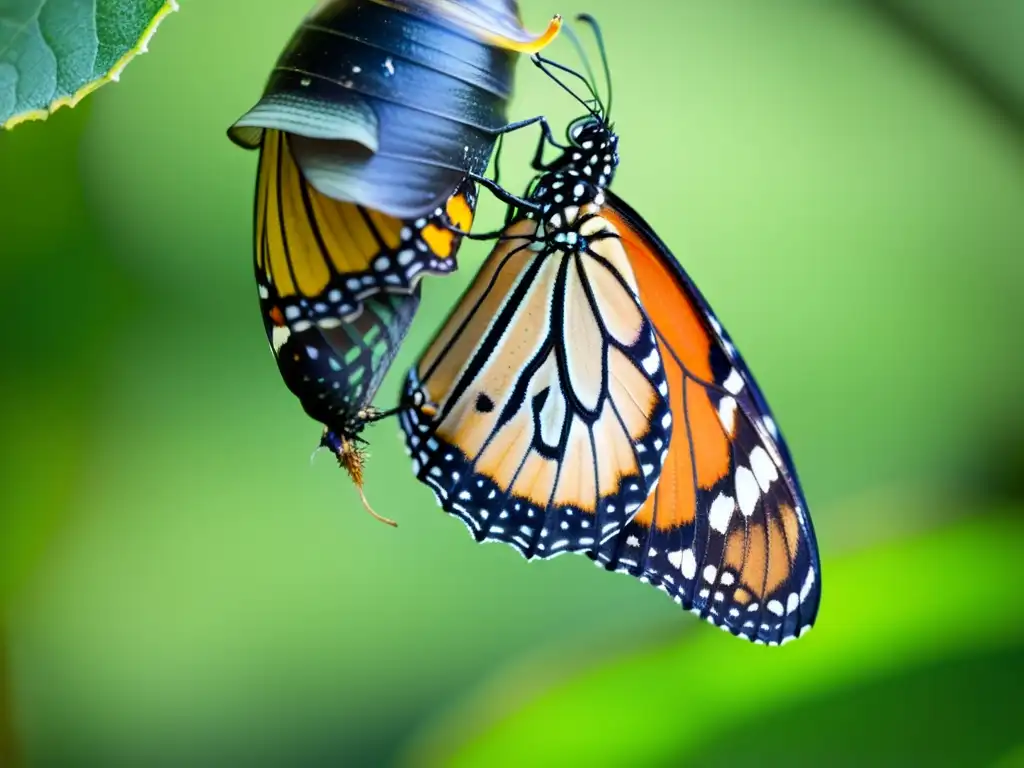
(318, 259)
(726, 533)
(544, 416)
(539, 413)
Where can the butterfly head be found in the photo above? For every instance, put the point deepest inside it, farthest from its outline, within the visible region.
(591, 154)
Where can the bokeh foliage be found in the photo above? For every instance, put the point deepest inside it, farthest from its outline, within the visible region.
(876, 666)
(180, 586)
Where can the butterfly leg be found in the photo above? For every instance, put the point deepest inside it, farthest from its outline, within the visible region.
(498, 234)
(537, 163)
(522, 124)
(503, 194)
(370, 415)
(547, 136)
(497, 158)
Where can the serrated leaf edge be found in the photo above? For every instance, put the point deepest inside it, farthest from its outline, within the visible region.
(113, 75)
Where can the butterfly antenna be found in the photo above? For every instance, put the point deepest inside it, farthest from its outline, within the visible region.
(586, 18)
(584, 59)
(568, 71)
(541, 63)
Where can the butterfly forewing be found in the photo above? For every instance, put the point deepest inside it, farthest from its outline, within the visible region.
(538, 414)
(319, 258)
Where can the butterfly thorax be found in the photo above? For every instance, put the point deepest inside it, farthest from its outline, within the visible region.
(556, 191)
(570, 211)
(591, 156)
(577, 178)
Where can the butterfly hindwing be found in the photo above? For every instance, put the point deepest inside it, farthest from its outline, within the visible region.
(726, 532)
(335, 369)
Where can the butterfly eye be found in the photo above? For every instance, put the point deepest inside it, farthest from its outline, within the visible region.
(580, 126)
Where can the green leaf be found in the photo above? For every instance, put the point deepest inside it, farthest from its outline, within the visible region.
(53, 53)
(891, 616)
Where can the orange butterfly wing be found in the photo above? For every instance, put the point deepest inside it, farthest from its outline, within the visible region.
(726, 532)
(317, 259)
(538, 414)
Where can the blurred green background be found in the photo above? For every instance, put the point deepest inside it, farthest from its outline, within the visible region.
(180, 587)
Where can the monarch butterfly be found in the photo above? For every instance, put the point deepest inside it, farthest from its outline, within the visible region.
(375, 118)
(583, 397)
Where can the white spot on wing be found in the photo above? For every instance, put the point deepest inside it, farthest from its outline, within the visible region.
(727, 413)
(747, 491)
(651, 362)
(764, 468)
(688, 566)
(733, 382)
(279, 336)
(721, 512)
(805, 590)
(792, 602)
